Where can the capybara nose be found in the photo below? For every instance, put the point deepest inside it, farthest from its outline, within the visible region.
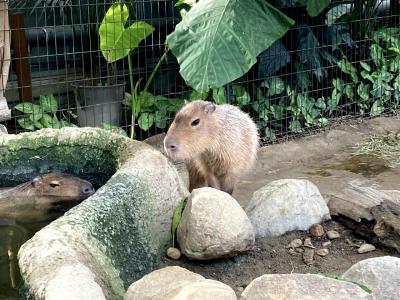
(88, 190)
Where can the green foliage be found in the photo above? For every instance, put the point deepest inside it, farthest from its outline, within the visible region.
(42, 114)
(153, 109)
(216, 41)
(116, 41)
(340, 277)
(315, 7)
(176, 218)
(375, 85)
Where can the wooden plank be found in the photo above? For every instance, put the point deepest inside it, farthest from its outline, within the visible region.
(21, 57)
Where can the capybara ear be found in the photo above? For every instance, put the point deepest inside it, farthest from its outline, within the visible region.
(36, 181)
(209, 107)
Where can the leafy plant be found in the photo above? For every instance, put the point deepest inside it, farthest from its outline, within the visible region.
(216, 41)
(176, 218)
(42, 114)
(153, 109)
(380, 78)
(117, 42)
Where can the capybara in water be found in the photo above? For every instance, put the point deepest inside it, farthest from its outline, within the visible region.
(218, 143)
(44, 197)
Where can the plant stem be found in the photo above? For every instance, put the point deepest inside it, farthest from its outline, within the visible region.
(155, 70)
(133, 97)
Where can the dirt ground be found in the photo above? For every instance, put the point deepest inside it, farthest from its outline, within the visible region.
(326, 159)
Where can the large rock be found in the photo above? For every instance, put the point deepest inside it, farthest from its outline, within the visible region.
(179, 284)
(302, 287)
(213, 225)
(380, 274)
(285, 205)
(112, 238)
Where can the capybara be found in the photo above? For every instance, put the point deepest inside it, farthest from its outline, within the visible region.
(218, 143)
(44, 197)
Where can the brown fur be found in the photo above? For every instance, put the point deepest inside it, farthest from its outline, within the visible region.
(220, 149)
(43, 197)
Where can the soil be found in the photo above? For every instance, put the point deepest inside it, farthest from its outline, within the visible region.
(327, 159)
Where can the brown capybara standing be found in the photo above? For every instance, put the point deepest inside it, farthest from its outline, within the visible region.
(218, 143)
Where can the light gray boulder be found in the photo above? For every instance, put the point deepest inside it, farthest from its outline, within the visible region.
(213, 225)
(380, 274)
(285, 205)
(302, 287)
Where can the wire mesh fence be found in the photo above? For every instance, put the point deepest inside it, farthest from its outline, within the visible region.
(340, 63)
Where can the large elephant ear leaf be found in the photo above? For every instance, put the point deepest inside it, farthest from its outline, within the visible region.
(315, 7)
(218, 41)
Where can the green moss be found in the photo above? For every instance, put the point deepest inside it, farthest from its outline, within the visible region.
(89, 153)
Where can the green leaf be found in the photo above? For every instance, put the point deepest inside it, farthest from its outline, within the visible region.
(241, 95)
(321, 103)
(218, 95)
(161, 119)
(176, 218)
(315, 7)
(323, 121)
(66, 123)
(377, 55)
(28, 108)
(363, 91)
(377, 108)
(270, 133)
(116, 41)
(349, 91)
(335, 13)
(295, 126)
(36, 115)
(26, 123)
(217, 42)
(348, 68)
(55, 124)
(365, 66)
(263, 114)
(275, 86)
(146, 100)
(47, 121)
(195, 95)
(338, 84)
(48, 103)
(146, 120)
(277, 111)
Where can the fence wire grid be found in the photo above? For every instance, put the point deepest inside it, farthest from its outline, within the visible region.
(341, 64)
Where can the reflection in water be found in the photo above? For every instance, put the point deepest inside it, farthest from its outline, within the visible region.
(12, 236)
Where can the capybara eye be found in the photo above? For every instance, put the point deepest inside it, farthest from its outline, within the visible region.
(54, 184)
(195, 122)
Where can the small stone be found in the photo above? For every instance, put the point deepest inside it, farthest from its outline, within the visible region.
(299, 250)
(326, 244)
(364, 248)
(308, 256)
(317, 230)
(307, 243)
(174, 253)
(295, 243)
(240, 289)
(332, 234)
(322, 252)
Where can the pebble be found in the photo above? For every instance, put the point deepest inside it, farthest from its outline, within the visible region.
(308, 243)
(326, 244)
(364, 248)
(299, 250)
(295, 243)
(308, 256)
(322, 252)
(240, 289)
(317, 230)
(174, 253)
(332, 234)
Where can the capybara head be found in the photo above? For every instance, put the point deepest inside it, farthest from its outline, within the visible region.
(192, 130)
(60, 187)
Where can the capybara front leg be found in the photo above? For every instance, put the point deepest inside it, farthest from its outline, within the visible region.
(212, 181)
